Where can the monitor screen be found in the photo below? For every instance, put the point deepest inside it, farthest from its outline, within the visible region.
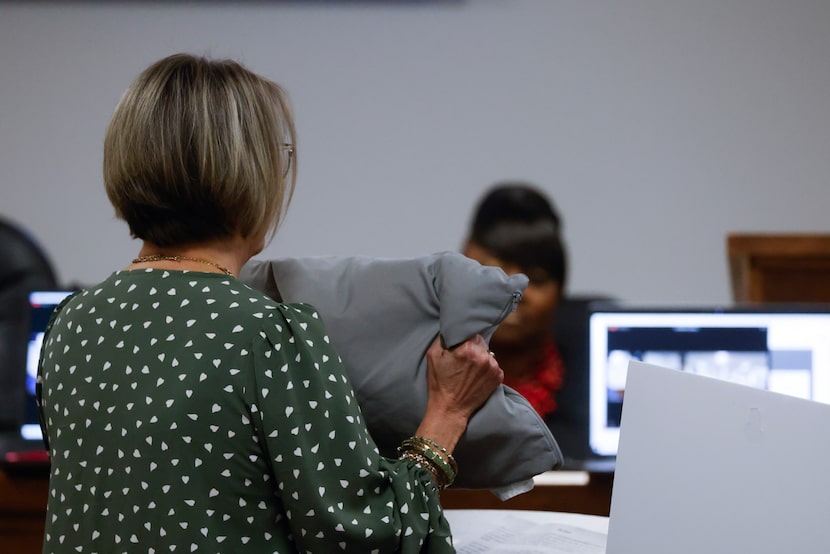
(41, 306)
(782, 349)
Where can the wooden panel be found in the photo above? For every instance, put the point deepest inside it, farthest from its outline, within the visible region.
(593, 498)
(21, 535)
(791, 268)
(23, 504)
(22, 512)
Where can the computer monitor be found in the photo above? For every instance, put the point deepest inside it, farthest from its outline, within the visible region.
(780, 348)
(41, 306)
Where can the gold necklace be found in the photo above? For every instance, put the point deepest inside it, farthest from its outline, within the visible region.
(159, 257)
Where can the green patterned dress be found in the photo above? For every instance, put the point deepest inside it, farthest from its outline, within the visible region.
(186, 412)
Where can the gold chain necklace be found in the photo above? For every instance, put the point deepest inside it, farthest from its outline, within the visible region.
(158, 258)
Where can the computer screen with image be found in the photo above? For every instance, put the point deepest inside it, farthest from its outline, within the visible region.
(785, 349)
(41, 306)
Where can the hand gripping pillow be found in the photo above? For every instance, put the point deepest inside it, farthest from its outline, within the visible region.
(382, 315)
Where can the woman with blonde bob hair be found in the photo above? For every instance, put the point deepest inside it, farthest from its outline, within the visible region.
(198, 151)
(183, 410)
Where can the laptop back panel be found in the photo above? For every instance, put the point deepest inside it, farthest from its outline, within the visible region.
(706, 465)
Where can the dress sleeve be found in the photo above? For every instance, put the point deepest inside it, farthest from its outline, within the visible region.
(338, 492)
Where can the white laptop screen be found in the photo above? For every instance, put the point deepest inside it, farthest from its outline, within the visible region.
(41, 306)
(782, 349)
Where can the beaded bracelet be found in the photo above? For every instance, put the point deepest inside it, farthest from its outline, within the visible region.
(423, 444)
(440, 448)
(433, 457)
(437, 477)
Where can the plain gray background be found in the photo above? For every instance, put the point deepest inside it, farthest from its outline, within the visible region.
(658, 126)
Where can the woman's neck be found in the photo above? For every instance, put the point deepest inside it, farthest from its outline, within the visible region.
(225, 256)
(519, 363)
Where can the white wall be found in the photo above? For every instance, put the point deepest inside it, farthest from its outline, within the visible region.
(657, 125)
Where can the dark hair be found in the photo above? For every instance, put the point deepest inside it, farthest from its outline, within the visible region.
(518, 224)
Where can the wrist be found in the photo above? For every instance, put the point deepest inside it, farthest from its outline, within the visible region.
(443, 426)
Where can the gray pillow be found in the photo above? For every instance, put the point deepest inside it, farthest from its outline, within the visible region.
(382, 314)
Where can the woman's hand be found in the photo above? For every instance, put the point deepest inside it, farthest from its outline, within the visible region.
(459, 381)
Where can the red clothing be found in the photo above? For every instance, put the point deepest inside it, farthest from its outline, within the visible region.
(546, 381)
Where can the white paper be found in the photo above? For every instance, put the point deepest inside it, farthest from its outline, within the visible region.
(514, 535)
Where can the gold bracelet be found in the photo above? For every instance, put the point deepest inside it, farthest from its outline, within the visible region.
(440, 448)
(433, 456)
(442, 457)
(436, 459)
(424, 463)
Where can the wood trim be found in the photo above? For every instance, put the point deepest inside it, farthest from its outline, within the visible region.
(22, 512)
(793, 267)
(593, 498)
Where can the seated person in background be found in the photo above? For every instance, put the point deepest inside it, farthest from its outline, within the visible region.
(184, 410)
(517, 228)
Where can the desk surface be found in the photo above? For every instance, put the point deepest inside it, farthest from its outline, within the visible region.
(495, 531)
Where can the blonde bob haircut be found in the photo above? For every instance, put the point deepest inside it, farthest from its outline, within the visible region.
(199, 150)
